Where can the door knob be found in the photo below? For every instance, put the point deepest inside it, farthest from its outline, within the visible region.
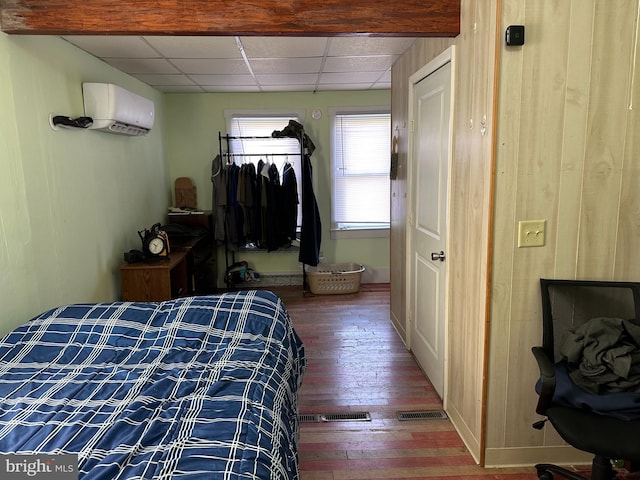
(438, 256)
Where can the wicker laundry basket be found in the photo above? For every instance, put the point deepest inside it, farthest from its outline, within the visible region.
(334, 278)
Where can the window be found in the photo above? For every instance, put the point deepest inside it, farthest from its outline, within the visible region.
(277, 151)
(360, 160)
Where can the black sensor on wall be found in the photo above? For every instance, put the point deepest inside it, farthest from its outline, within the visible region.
(514, 35)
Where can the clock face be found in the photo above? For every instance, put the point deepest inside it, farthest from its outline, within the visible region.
(156, 246)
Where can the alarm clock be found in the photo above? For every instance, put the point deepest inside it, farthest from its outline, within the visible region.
(155, 242)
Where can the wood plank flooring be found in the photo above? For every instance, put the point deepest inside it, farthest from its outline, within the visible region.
(357, 362)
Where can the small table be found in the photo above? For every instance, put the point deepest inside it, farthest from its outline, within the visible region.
(155, 281)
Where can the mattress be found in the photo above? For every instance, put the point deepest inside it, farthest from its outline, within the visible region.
(198, 387)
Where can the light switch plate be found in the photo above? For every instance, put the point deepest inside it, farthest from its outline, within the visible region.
(531, 233)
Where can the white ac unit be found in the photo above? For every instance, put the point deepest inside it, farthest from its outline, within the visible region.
(116, 110)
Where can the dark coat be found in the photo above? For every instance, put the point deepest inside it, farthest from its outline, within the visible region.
(311, 234)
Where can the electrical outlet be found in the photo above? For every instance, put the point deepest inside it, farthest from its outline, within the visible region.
(531, 233)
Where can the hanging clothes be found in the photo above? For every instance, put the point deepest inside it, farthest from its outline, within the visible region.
(218, 198)
(248, 177)
(274, 205)
(253, 206)
(235, 221)
(311, 232)
(290, 203)
(262, 184)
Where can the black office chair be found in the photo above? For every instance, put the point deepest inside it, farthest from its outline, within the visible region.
(576, 394)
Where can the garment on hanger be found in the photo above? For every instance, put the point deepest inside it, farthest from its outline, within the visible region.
(311, 232)
(235, 221)
(246, 199)
(218, 198)
(262, 181)
(258, 209)
(274, 206)
(290, 202)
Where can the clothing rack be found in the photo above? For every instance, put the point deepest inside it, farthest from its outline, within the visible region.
(227, 154)
(225, 140)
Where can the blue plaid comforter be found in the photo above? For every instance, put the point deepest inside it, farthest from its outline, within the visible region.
(194, 388)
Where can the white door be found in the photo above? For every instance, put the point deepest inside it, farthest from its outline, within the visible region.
(429, 179)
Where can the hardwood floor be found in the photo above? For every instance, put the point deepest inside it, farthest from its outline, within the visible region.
(357, 363)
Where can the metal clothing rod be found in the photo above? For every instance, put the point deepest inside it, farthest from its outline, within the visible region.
(229, 137)
(262, 154)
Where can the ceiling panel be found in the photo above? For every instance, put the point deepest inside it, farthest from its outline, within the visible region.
(143, 65)
(228, 80)
(286, 65)
(368, 63)
(195, 47)
(250, 64)
(211, 65)
(357, 46)
(288, 47)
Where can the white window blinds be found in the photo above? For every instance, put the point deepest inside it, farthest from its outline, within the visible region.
(361, 162)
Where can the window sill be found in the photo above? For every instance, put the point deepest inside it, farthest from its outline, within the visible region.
(337, 234)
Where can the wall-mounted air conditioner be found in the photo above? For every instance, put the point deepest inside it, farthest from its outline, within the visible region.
(116, 110)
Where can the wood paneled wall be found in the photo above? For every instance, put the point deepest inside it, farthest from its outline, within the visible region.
(568, 152)
(563, 146)
(469, 221)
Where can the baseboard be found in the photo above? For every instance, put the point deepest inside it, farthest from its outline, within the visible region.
(465, 433)
(399, 328)
(280, 279)
(529, 456)
(370, 275)
(375, 275)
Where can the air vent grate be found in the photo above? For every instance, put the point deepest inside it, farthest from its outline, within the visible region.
(334, 417)
(422, 415)
(309, 418)
(346, 417)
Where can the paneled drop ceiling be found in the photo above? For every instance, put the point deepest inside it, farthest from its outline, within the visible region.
(251, 63)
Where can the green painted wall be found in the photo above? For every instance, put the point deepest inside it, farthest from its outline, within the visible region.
(192, 125)
(71, 201)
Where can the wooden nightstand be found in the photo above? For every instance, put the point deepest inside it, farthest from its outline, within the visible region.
(155, 281)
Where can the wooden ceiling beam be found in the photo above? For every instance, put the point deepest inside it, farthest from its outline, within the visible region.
(413, 18)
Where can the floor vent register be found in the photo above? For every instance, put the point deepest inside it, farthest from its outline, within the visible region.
(421, 415)
(335, 417)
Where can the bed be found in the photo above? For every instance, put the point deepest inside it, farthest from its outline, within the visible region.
(199, 387)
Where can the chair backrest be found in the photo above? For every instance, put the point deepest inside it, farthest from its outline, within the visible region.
(567, 304)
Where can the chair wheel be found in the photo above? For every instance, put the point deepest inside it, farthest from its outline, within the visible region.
(544, 474)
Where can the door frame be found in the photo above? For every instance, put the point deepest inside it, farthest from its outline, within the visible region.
(447, 56)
